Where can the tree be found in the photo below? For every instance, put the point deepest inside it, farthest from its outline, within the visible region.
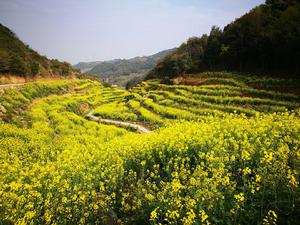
(224, 50)
(3, 66)
(213, 47)
(18, 65)
(35, 68)
(66, 69)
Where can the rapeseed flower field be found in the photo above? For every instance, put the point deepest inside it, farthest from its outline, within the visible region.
(218, 153)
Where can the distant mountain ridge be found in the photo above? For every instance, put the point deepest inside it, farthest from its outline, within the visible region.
(17, 58)
(86, 66)
(120, 70)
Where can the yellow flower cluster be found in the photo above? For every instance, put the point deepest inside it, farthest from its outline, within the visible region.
(240, 197)
(270, 218)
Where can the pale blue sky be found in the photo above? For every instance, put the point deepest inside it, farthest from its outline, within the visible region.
(90, 30)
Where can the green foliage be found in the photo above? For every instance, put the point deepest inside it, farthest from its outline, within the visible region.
(186, 59)
(35, 68)
(17, 65)
(60, 68)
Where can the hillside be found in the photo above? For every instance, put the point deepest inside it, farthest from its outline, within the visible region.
(17, 58)
(219, 153)
(266, 40)
(86, 66)
(120, 71)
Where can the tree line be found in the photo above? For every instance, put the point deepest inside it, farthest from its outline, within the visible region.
(265, 40)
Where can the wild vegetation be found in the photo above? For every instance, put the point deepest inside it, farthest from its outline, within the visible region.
(266, 40)
(222, 152)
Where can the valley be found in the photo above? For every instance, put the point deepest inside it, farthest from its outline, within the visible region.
(122, 72)
(200, 134)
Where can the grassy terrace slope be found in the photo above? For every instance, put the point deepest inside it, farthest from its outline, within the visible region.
(222, 152)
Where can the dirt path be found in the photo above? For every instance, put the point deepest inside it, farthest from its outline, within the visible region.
(14, 81)
(137, 127)
(4, 86)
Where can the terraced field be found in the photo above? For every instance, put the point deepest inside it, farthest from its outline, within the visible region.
(154, 104)
(226, 151)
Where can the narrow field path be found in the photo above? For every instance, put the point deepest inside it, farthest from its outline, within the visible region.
(139, 128)
(4, 86)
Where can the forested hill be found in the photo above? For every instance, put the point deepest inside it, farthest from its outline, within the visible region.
(123, 71)
(117, 67)
(265, 40)
(17, 58)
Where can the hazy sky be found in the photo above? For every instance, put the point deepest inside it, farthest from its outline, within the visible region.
(90, 30)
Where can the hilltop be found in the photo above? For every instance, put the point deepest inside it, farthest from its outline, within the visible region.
(265, 40)
(120, 71)
(17, 58)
